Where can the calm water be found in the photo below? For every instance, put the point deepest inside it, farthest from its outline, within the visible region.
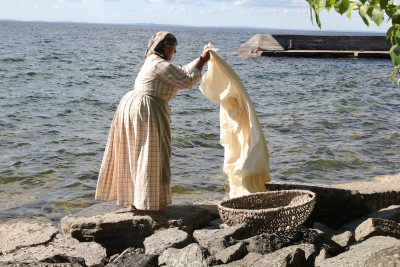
(325, 120)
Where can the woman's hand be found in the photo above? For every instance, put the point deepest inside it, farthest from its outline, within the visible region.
(206, 55)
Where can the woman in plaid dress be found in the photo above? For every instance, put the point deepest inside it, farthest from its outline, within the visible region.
(136, 165)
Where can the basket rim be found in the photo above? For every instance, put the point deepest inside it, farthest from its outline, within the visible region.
(313, 198)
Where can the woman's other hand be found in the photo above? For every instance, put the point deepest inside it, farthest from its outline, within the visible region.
(206, 55)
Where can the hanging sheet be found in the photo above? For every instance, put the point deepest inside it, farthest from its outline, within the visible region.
(246, 159)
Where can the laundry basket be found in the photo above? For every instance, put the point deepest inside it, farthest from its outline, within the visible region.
(269, 212)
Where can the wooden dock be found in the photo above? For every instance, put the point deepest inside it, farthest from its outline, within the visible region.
(319, 46)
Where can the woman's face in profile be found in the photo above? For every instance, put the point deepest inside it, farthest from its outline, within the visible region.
(169, 52)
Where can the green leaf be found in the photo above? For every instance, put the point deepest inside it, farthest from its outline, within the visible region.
(363, 14)
(373, 2)
(397, 36)
(369, 11)
(398, 82)
(318, 20)
(396, 17)
(377, 15)
(395, 55)
(390, 10)
(348, 14)
(310, 2)
(392, 76)
(329, 4)
(383, 3)
(320, 5)
(389, 34)
(341, 6)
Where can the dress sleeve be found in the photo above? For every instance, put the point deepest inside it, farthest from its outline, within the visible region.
(176, 76)
(189, 67)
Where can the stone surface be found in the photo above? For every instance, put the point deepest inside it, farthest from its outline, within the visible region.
(289, 256)
(390, 213)
(323, 255)
(375, 227)
(40, 264)
(232, 253)
(116, 228)
(162, 240)
(352, 200)
(217, 224)
(216, 239)
(192, 254)
(92, 253)
(334, 242)
(385, 257)
(391, 178)
(130, 257)
(267, 243)
(363, 253)
(16, 234)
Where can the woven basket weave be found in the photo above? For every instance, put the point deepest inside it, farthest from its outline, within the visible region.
(269, 212)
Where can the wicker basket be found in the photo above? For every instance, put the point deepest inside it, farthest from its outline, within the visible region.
(269, 212)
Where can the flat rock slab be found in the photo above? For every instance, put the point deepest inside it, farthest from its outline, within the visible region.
(16, 234)
(92, 253)
(375, 251)
(131, 258)
(377, 227)
(338, 204)
(289, 256)
(117, 228)
(192, 255)
(163, 240)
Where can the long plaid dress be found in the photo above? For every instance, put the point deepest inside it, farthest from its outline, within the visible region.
(136, 163)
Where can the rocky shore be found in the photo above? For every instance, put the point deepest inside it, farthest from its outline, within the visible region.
(353, 224)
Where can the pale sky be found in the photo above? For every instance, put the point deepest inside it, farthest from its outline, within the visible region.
(278, 14)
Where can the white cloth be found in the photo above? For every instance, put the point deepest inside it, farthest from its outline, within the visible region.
(246, 159)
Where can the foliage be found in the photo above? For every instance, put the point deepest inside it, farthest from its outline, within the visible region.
(370, 11)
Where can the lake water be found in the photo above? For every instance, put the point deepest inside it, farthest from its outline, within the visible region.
(325, 120)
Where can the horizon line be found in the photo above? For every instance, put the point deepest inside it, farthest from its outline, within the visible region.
(186, 26)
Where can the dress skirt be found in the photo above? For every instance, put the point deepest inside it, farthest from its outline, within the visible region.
(136, 164)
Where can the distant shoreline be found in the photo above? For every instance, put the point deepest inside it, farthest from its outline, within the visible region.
(205, 27)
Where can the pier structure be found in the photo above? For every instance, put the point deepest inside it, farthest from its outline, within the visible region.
(320, 46)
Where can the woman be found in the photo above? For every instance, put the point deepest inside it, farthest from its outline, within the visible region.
(136, 164)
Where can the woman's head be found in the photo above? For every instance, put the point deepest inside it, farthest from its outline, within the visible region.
(163, 44)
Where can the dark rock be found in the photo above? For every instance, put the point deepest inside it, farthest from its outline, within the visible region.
(289, 256)
(352, 200)
(390, 213)
(116, 228)
(192, 255)
(267, 243)
(232, 253)
(334, 242)
(366, 252)
(217, 224)
(64, 259)
(375, 227)
(162, 240)
(130, 257)
(310, 253)
(215, 239)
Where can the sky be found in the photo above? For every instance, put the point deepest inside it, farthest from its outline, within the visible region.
(278, 14)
